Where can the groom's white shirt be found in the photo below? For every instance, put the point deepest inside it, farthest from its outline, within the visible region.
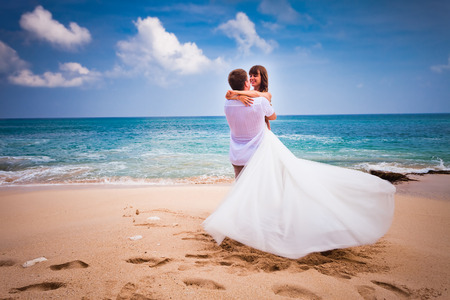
(246, 127)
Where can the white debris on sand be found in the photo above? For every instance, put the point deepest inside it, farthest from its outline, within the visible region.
(33, 262)
(135, 238)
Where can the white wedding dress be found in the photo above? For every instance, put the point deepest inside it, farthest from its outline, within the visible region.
(292, 207)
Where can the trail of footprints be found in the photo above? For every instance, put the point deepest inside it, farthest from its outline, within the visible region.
(236, 257)
(45, 286)
(341, 263)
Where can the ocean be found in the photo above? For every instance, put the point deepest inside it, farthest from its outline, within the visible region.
(192, 150)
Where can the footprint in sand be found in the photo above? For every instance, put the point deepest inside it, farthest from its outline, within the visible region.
(7, 263)
(129, 292)
(203, 283)
(44, 286)
(152, 262)
(202, 237)
(293, 291)
(201, 256)
(367, 292)
(76, 264)
(205, 259)
(401, 292)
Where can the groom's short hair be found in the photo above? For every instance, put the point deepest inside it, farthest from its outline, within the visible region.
(237, 79)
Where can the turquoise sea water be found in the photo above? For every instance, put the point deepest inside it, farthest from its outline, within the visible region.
(173, 150)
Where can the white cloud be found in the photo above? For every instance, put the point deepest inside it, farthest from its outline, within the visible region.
(243, 31)
(317, 46)
(360, 85)
(272, 26)
(41, 25)
(441, 68)
(308, 51)
(74, 68)
(157, 53)
(283, 11)
(72, 75)
(9, 60)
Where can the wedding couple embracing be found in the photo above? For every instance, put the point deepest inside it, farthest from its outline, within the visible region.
(286, 205)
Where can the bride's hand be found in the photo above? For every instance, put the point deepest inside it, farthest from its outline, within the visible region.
(245, 99)
(231, 95)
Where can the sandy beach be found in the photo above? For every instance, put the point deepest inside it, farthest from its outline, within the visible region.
(84, 234)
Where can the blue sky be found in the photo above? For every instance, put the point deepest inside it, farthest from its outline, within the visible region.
(100, 58)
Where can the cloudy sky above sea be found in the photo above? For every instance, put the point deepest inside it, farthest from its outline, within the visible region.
(80, 58)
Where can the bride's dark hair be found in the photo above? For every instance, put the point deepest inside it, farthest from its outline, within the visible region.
(264, 86)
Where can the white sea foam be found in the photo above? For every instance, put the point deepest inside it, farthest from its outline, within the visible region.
(176, 173)
(126, 180)
(91, 155)
(7, 179)
(18, 159)
(311, 137)
(441, 165)
(111, 167)
(41, 175)
(403, 169)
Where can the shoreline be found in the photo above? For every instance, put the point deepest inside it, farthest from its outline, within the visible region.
(397, 179)
(84, 231)
(392, 177)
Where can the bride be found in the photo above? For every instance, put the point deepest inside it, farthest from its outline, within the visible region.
(291, 207)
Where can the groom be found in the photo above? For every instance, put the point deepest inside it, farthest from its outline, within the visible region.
(247, 123)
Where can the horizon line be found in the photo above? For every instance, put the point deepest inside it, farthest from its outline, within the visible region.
(215, 116)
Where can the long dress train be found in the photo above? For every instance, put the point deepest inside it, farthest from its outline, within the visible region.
(292, 207)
